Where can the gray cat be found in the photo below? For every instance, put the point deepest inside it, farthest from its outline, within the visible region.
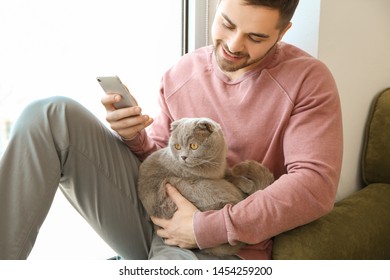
(195, 163)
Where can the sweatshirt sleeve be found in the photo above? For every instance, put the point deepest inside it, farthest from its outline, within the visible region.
(312, 151)
(141, 145)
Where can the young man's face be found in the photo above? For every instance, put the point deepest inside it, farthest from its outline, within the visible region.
(243, 35)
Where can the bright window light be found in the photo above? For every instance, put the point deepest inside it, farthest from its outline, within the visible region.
(59, 47)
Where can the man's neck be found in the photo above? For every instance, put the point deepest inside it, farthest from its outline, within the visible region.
(235, 75)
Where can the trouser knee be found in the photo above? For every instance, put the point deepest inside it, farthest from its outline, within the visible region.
(52, 111)
(48, 106)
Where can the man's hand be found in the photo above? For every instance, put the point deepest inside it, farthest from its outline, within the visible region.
(178, 231)
(127, 122)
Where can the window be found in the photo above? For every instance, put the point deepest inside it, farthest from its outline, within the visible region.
(58, 48)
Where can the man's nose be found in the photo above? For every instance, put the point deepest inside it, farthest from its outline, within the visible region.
(236, 43)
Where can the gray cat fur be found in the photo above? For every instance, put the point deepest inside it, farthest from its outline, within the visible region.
(201, 175)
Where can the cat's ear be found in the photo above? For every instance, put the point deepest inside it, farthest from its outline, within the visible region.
(209, 125)
(174, 125)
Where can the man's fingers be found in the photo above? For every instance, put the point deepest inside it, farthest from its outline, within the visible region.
(119, 114)
(127, 129)
(175, 195)
(108, 101)
(127, 122)
(161, 223)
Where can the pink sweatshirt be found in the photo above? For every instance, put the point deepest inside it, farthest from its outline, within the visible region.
(286, 114)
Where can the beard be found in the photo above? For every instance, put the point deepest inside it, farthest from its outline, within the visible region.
(240, 60)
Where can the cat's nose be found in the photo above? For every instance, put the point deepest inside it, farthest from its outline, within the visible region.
(184, 158)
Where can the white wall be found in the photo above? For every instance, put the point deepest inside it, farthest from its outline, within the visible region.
(354, 41)
(305, 29)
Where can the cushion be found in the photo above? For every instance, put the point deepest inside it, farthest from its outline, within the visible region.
(376, 149)
(357, 228)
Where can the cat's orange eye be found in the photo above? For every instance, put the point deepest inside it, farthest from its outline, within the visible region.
(194, 146)
(177, 146)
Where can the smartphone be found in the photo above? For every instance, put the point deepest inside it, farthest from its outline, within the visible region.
(113, 85)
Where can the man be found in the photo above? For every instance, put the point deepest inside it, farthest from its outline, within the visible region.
(275, 103)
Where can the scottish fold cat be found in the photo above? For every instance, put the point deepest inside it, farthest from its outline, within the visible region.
(195, 163)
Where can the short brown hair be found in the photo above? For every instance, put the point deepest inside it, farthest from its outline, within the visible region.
(286, 9)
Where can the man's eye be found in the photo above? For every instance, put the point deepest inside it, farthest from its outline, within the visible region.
(255, 39)
(227, 26)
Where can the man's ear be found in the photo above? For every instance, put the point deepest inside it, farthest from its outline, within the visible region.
(283, 32)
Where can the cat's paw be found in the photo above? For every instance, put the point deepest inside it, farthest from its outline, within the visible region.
(254, 176)
(223, 250)
(163, 206)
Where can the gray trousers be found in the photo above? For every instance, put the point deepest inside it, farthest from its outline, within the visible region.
(58, 143)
